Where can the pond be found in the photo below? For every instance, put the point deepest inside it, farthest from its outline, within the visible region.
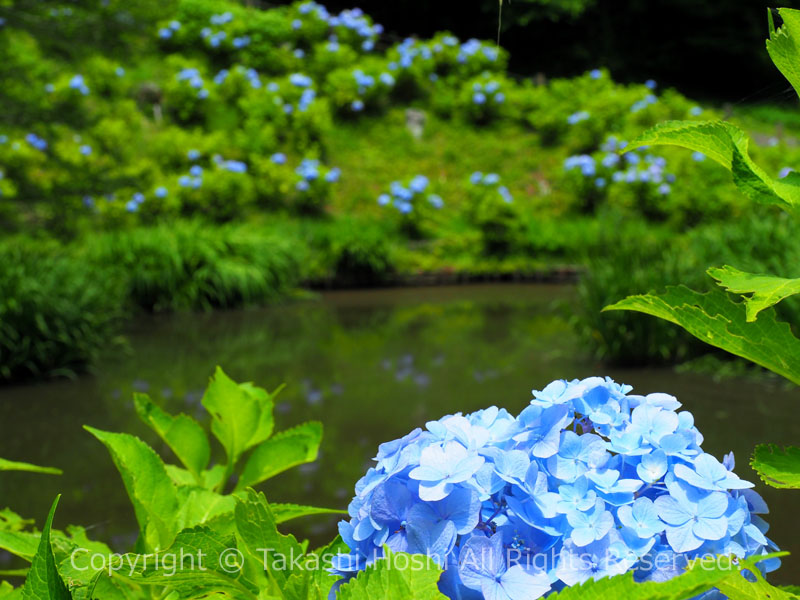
(371, 365)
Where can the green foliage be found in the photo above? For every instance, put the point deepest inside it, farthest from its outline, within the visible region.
(44, 581)
(778, 467)
(765, 290)
(721, 572)
(385, 578)
(56, 315)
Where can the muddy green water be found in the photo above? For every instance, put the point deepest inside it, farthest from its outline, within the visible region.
(371, 365)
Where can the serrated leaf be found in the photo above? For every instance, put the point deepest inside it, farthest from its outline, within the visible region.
(181, 433)
(285, 450)
(736, 586)
(714, 319)
(10, 465)
(778, 467)
(288, 512)
(199, 506)
(199, 562)
(43, 581)
(701, 577)
(783, 45)
(764, 290)
(387, 579)
(263, 542)
(242, 414)
(152, 493)
(727, 145)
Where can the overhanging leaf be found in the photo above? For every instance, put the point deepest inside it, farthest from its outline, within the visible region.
(727, 145)
(778, 467)
(765, 290)
(44, 582)
(714, 319)
(783, 45)
(288, 512)
(10, 465)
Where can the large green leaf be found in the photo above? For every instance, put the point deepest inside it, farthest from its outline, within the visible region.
(783, 45)
(20, 543)
(7, 592)
(10, 465)
(778, 468)
(152, 493)
(765, 290)
(714, 319)
(43, 581)
(263, 542)
(737, 587)
(283, 451)
(727, 145)
(242, 414)
(703, 576)
(199, 563)
(181, 433)
(396, 577)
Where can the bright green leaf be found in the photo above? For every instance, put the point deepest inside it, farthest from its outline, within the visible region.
(242, 414)
(7, 592)
(20, 543)
(44, 582)
(287, 512)
(783, 45)
(152, 493)
(285, 450)
(714, 319)
(727, 145)
(181, 433)
(396, 577)
(10, 465)
(765, 290)
(703, 576)
(778, 468)
(736, 586)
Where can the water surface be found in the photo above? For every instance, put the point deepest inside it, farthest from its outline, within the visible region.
(371, 365)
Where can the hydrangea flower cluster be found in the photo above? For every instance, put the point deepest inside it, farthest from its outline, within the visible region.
(311, 170)
(353, 20)
(491, 180)
(487, 92)
(631, 168)
(405, 197)
(79, 83)
(588, 481)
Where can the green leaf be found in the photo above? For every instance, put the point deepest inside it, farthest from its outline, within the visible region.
(783, 47)
(44, 582)
(285, 450)
(242, 414)
(702, 576)
(181, 433)
(287, 512)
(714, 319)
(778, 468)
(258, 530)
(736, 586)
(152, 493)
(7, 592)
(765, 290)
(387, 579)
(20, 543)
(10, 465)
(727, 145)
(199, 563)
(198, 506)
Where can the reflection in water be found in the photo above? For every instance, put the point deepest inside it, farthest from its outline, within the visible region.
(371, 365)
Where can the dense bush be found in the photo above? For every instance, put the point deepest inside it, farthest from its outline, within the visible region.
(56, 314)
(194, 266)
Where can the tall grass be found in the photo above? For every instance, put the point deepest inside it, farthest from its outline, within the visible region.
(193, 265)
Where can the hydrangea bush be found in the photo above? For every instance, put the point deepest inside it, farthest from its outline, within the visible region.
(588, 481)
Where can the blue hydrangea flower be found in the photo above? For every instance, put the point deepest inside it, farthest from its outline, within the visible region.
(279, 158)
(589, 481)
